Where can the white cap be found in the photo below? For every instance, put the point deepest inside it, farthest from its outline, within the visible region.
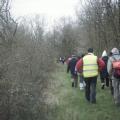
(104, 53)
(115, 51)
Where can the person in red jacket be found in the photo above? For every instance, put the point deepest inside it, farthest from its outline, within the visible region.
(90, 65)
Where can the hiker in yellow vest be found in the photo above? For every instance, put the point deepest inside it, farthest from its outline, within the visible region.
(90, 65)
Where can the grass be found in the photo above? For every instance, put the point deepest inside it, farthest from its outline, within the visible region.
(71, 103)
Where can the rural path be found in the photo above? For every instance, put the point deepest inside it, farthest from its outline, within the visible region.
(69, 103)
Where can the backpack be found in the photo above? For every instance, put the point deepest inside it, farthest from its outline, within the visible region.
(116, 68)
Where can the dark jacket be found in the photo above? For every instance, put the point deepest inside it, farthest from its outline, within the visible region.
(71, 66)
(104, 73)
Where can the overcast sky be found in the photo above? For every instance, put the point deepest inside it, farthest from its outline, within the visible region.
(50, 8)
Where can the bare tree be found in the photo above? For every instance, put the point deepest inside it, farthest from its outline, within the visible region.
(101, 20)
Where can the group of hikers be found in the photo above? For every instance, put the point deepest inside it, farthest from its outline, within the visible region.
(87, 68)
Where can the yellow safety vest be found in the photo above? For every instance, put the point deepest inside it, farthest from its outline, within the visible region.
(90, 66)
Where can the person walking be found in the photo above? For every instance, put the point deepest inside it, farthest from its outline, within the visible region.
(90, 65)
(71, 68)
(104, 76)
(80, 74)
(110, 78)
(113, 68)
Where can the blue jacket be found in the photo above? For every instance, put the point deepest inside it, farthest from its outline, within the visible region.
(71, 66)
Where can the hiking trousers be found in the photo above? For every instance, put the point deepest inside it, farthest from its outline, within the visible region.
(116, 87)
(81, 79)
(90, 89)
(74, 80)
(111, 87)
(105, 81)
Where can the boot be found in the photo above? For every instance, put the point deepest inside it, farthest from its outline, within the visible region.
(103, 85)
(72, 84)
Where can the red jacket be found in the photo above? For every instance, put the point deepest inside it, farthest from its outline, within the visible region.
(79, 65)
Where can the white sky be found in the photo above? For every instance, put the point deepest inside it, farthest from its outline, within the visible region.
(49, 8)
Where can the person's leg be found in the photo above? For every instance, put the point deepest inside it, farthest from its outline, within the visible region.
(111, 86)
(81, 78)
(107, 81)
(116, 91)
(72, 80)
(119, 92)
(102, 83)
(76, 80)
(93, 89)
(87, 89)
(81, 82)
